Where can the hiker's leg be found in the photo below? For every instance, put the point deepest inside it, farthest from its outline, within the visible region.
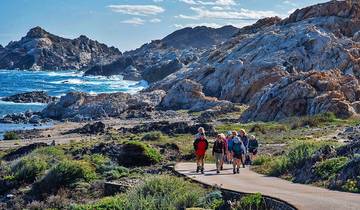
(242, 161)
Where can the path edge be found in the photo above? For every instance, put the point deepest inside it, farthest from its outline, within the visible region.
(270, 198)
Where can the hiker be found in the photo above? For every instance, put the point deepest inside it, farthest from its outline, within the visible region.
(200, 145)
(244, 138)
(218, 151)
(238, 150)
(253, 148)
(228, 145)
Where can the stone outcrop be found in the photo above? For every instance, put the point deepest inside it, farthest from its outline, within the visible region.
(156, 60)
(25, 118)
(90, 128)
(82, 106)
(41, 50)
(31, 97)
(306, 94)
(188, 94)
(169, 128)
(273, 53)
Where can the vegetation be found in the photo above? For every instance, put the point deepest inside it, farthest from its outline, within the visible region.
(330, 167)
(153, 155)
(10, 135)
(152, 136)
(29, 168)
(159, 192)
(252, 202)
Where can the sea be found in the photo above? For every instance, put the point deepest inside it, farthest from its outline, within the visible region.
(56, 84)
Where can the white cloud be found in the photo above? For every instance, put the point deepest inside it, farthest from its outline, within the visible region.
(241, 14)
(155, 20)
(134, 21)
(208, 2)
(156, 1)
(192, 25)
(290, 3)
(140, 10)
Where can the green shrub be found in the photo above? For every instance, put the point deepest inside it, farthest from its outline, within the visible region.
(64, 174)
(300, 153)
(313, 121)
(351, 186)
(117, 173)
(253, 201)
(330, 167)
(262, 159)
(10, 135)
(159, 192)
(278, 166)
(52, 155)
(148, 151)
(29, 168)
(152, 136)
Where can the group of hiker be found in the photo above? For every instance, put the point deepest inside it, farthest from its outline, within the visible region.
(235, 147)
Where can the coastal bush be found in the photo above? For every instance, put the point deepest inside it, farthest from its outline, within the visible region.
(351, 186)
(152, 136)
(301, 152)
(149, 152)
(29, 168)
(117, 173)
(313, 121)
(159, 192)
(253, 202)
(10, 135)
(261, 159)
(64, 174)
(52, 155)
(330, 167)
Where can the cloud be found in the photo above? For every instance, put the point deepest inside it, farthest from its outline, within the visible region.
(134, 21)
(155, 20)
(156, 1)
(208, 2)
(241, 14)
(139, 10)
(290, 3)
(192, 25)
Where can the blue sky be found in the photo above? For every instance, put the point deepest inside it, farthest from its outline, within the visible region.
(127, 24)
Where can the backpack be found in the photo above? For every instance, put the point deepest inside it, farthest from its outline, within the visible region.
(237, 147)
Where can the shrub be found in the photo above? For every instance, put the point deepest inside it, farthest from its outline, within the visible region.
(152, 136)
(313, 121)
(29, 168)
(278, 166)
(149, 152)
(261, 160)
(51, 154)
(351, 186)
(159, 192)
(64, 174)
(300, 153)
(117, 173)
(330, 167)
(253, 201)
(10, 135)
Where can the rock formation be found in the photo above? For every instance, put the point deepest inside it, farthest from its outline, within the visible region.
(78, 106)
(41, 50)
(156, 60)
(30, 97)
(263, 57)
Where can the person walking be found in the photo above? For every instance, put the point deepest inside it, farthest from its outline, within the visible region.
(219, 151)
(229, 147)
(253, 148)
(238, 150)
(244, 138)
(200, 146)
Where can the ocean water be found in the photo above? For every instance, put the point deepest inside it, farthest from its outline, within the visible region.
(56, 84)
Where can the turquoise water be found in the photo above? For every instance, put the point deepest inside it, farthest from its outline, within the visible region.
(56, 84)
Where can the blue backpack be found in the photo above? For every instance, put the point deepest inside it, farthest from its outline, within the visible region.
(237, 146)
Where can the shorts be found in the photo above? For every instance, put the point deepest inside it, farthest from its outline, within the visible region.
(237, 156)
(253, 151)
(200, 157)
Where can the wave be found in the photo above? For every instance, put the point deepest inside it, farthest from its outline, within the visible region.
(24, 104)
(64, 73)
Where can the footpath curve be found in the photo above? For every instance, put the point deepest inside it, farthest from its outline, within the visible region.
(302, 197)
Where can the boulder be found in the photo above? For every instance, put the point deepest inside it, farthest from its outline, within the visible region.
(128, 154)
(188, 94)
(308, 93)
(90, 128)
(171, 128)
(76, 106)
(31, 97)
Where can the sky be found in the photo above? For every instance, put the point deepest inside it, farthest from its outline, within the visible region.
(127, 24)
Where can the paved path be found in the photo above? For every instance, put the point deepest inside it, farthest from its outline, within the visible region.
(303, 197)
